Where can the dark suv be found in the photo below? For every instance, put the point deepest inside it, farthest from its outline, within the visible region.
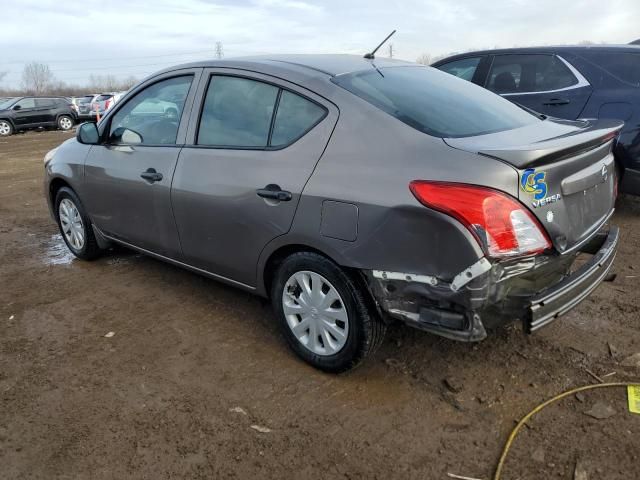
(25, 113)
(572, 82)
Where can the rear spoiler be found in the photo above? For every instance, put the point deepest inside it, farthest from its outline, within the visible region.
(595, 134)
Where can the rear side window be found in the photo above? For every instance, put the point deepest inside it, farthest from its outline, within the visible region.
(45, 102)
(245, 113)
(435, 103)
(296, 115)
(529, 73)
(465, 68)
(623, 66)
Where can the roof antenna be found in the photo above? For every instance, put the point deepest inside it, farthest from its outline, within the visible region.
(371, 56)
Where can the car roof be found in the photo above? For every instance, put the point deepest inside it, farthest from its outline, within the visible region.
(544, 49)
(315, 64)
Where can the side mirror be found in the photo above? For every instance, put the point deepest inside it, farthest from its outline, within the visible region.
(126, 136)
(17, 107)
(87, 134)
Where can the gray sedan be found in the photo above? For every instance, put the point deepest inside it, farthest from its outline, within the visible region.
(351, 192)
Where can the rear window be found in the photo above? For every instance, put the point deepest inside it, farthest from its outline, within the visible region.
(434, 102)
(102, 98)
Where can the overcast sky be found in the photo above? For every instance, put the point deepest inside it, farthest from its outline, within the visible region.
(137, 37)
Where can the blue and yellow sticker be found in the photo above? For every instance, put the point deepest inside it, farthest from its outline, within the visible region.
(534, 182)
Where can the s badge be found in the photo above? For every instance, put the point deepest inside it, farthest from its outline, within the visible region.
(534, 182)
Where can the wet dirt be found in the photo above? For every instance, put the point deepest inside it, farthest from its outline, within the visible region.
(196, 382)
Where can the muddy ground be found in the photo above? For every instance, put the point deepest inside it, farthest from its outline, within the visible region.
(193, 365)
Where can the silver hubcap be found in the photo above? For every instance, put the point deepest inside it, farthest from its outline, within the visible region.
(315, 313)
(5, 128)
(65, 123)
(71, 223)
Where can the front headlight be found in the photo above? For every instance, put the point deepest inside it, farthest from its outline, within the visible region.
(50, 154)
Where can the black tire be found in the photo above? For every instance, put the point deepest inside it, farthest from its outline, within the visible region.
(65, 123)
(7, 128)
(366, 329)
(90, 249)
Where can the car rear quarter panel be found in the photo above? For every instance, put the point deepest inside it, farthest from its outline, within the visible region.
(369, 162)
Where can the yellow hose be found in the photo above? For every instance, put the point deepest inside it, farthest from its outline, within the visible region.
(526, 418)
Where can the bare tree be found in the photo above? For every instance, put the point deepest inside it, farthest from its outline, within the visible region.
(37, 77)
(2, 75)
(219, 50)
(424, 59)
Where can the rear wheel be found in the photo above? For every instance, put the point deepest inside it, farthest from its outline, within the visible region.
(323, 313)
(75, 226)
(6, 128)
(65, 123)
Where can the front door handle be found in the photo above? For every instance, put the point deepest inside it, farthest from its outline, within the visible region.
(557, 101)
(274, 192)
(151, 175)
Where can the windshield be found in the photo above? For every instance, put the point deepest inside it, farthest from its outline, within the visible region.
(435, 102)
(6, 103)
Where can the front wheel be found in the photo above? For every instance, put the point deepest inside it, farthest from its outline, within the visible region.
(324, 314)
(65, 123)
(6, 128)
(75, 225)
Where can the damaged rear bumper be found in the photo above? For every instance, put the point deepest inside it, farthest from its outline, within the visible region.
(536, 289)
(559, 299)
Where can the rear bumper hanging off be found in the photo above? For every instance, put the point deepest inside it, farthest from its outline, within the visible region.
(562, 297)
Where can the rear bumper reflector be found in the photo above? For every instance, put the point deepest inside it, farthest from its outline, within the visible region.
(562, 297)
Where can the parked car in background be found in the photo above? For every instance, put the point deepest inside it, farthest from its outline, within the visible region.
(572, 82)
(350, 192)
(25, 113)
(83, 105)
(100, 104)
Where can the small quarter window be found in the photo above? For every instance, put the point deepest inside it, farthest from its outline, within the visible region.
(295, 117)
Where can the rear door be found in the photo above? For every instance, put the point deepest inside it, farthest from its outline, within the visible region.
(545, 83)
(253, 143)
(128, 178)
(46, 110)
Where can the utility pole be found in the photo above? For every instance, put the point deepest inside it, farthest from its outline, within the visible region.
(391, 50)
(219, 50)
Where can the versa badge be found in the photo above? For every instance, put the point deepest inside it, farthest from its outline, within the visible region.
(535, 183)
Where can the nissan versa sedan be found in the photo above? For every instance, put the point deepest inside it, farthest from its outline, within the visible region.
(349, 191)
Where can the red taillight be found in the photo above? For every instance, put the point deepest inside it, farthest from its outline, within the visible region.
(106, 104)
(502, 225)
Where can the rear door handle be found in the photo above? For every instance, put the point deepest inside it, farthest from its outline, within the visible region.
(274, 192)
(557, 101)
(151, 175)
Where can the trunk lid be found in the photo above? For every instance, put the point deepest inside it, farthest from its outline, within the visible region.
(566, 171)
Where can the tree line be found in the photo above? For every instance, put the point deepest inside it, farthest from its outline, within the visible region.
(38, 79)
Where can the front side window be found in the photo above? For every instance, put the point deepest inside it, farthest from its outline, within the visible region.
(152, 116)
(435, 103)
(529, 73)
(26, 103)
(464, 68)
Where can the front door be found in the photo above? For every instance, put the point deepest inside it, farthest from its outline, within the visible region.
(239, 178)
(545, 83)
(127, 187)
(25, 112)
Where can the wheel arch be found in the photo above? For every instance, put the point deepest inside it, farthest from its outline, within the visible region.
(269, 264)
(10, 120)
(54, 187)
